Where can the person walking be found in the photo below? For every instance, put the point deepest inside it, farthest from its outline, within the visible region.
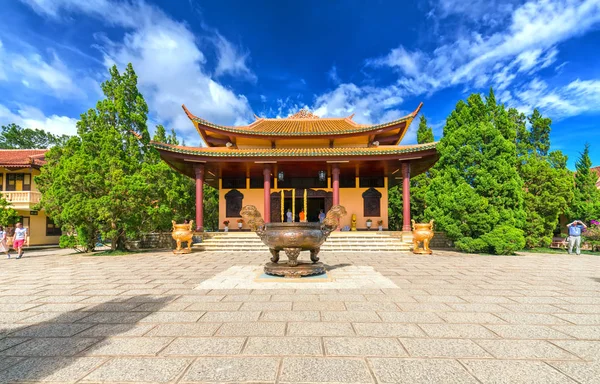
(4, 242)
(321, 216)
(19, 239)
(288, 215)
(301, 216)
(575, 229)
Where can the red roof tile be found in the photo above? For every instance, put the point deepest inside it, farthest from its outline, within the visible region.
(22, 157)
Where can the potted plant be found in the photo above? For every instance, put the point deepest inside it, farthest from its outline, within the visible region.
(226, 224)
(240, 223)
(380, 224)
(369, 222)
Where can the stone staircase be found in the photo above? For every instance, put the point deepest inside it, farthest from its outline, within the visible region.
(337, 242)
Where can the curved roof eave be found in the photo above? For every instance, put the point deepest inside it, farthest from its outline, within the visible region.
(245, 131)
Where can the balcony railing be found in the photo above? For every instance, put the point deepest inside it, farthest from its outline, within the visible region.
(22, 197)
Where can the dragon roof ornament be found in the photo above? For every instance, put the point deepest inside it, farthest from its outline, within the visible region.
(303, 114)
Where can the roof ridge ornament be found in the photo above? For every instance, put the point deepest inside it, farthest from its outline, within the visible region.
(303, 114)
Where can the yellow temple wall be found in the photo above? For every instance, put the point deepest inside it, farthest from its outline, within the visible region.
(350, 198)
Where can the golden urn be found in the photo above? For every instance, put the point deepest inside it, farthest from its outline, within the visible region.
(422, 233)
(181, 233)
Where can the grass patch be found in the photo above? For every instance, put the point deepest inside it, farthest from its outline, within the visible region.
(108, 252)
(557, 251)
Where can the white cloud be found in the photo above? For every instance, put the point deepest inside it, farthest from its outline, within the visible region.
(31, 117)
(332, 74)
(231, 61)
(168, 61)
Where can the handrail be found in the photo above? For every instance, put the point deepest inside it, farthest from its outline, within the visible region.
(22, 196)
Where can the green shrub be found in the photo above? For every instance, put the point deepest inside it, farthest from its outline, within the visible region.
(470, 245)
(504, 240)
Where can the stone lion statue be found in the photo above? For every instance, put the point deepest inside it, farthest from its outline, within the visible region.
(333, 217)
(253, 218)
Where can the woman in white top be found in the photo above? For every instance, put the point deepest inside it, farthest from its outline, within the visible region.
(4, 242)
(19, 239)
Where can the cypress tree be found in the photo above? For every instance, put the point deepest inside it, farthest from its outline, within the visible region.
(476, 196)
(586, 201)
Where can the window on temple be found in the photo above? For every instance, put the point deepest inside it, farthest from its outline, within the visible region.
(347, 182)
(51, 228)
(372, 203)
(1, 181)
(234, 182)
(302, 182)
(259, 182)
(371, 182)
(233, 203)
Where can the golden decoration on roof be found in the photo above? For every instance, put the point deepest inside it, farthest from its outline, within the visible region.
(303, 114)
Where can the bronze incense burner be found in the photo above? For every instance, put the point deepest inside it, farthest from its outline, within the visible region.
(293, 238)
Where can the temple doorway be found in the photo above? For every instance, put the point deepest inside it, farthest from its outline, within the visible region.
(316, 200)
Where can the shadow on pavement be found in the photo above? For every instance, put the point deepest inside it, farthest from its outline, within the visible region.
(336, 266)
(56, 347)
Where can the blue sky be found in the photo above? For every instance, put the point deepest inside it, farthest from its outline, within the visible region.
(228, 60)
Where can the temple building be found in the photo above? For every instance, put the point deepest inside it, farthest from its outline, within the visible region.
(302, 162)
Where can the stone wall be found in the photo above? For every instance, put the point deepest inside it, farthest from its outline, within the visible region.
(157, 240)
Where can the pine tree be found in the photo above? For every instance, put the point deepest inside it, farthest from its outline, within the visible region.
(586, 201)
(548, 184)
(476, 196)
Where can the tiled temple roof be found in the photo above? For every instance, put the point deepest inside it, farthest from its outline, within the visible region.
(301, 124)
(22, 157)
(293, 152)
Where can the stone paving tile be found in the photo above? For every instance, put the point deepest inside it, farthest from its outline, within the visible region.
(394, 370)
(353, 316)
(515, 372)
(6, 362)
(470, 331)
(294, 298)
(363, 346)
(410, 317)
(438, 299)
(527, 332)
(115, 346)
(226, 316)
(453, 348)
(16, 307)
(580, 308)
(341, 297)
(525, 349)
(390, 298)
(487, 299)
(266, 306)
(205, 346)
(588, 350)
(52, 330)
(319, 306)
(372, 306)
(585, 373)
(322, 370)
(246, 298)
(9, 342)
(12, 317)
(425, 307)
(283, 346)
(112, 317)
(588, 332)
(539, 300)
(220, 306)
(290, 316)
(46, 346)
(232, 369)
(60, 307)
(471, 317)
(61, 369)
(320, 329)
(388, 330)
(531, 318)
(172, 317)
(581, 319)
(252, 329)
(181, 330)
(134, 369)
(104, 330)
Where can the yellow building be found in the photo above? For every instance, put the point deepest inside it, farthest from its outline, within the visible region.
(302, 162)
(17, 170)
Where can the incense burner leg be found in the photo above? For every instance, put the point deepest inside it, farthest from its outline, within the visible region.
(275, 255)
(313, 254)
(292, 255)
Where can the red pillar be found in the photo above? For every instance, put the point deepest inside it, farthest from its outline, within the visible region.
(267, 189)
(199, 170)
(406, 197)
(335, 173)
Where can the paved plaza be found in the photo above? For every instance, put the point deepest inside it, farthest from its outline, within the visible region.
(383, 318)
